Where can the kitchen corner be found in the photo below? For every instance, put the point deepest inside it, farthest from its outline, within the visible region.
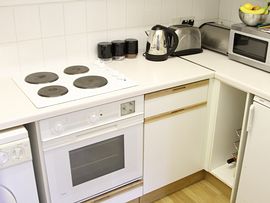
(238, 75)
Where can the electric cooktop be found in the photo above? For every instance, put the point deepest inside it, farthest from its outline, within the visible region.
(46, 88)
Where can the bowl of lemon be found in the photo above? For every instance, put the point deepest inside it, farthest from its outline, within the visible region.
(253, 15)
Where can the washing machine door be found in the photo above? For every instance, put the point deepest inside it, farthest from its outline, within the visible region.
(6, 195)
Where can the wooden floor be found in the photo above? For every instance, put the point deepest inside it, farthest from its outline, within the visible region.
(201, 192)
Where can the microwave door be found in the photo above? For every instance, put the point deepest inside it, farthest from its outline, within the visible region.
(250, 47)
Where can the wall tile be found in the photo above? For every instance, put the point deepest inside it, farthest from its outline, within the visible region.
(96, 15)
(225, 9)
(119, 34)
(152, 12)
(198, 9)
(212, 9)
(135, 15)
(7, 25)
(9, 63)
(93, 39)
(52, 20)
(184, 8)
(55, 52)
(31, 56)
(77, 50)
(27, 22)
(75, 17)
(116, 10)
(139, 34)
(234, 10)
(168, 11)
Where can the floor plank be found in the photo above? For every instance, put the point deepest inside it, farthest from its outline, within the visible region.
(201, 192)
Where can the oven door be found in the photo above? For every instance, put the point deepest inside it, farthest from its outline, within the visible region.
(93, 162)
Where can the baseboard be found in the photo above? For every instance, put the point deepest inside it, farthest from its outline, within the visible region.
(225, 189)
(173, 187)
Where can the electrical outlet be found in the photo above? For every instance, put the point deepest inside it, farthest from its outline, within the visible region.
(187, 20)
(182, 20)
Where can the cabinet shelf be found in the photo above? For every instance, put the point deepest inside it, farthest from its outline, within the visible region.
(225, 173)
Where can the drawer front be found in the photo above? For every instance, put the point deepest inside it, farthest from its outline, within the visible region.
(172, 99)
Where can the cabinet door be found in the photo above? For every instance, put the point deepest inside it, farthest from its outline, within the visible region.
(254, 177)
(173, 147)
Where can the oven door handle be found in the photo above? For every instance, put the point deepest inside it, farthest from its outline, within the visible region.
(96, 132)
(73, 138)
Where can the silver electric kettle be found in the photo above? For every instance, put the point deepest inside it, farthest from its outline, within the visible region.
(158, 47)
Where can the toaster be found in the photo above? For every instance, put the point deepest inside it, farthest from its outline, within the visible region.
(189, 40)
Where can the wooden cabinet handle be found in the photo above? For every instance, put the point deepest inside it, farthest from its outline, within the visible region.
(174, 90)
(173, 113)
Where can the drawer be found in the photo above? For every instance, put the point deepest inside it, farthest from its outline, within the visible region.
(176, 98)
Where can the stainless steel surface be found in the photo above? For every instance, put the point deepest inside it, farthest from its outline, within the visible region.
(157, 41)
(215, 37)
(252, 19)
(253, 33)
(250, 62)
(159, 46)
(250, 30)
(189, 38)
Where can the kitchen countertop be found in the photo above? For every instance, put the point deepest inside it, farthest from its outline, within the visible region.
(233, 73)
(16, 109)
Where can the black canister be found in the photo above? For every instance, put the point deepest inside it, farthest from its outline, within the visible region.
(131, 48)
(118, 49)
(105, 51)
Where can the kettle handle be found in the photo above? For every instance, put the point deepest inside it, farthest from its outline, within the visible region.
(175, 40)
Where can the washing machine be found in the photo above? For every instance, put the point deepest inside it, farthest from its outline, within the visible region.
(17, 180)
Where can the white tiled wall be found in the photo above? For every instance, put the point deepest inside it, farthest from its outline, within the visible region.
(51, 34)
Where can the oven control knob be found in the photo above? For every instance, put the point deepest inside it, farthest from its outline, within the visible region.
(59, 128)
(3, 158)
(93, 118)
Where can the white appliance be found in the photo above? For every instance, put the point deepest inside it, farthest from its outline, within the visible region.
(249, 45)
(45, 88)
(17, 181)
(83, 154)
(254, 179)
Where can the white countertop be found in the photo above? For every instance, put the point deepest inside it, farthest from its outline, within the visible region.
(238, 75)
(16, 109)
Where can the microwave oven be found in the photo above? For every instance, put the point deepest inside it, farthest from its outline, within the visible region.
(249, 45)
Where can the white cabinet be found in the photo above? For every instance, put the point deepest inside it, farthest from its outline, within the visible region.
(175, 129)
(228, 115)
(254, 178)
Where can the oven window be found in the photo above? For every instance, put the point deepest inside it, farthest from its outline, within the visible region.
(96, 160)
(250, 47)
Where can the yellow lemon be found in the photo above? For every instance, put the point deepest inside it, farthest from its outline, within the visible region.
(256, 8)
(248, 6)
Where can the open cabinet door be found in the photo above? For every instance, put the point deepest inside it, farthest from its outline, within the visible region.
(254, 178)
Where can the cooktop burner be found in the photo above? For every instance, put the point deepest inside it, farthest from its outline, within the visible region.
(78, 69)
(52, 91)
(90, 82)
(41, 77)
(71, 83)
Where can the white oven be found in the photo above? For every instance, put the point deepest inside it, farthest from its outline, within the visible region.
(89, 152)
